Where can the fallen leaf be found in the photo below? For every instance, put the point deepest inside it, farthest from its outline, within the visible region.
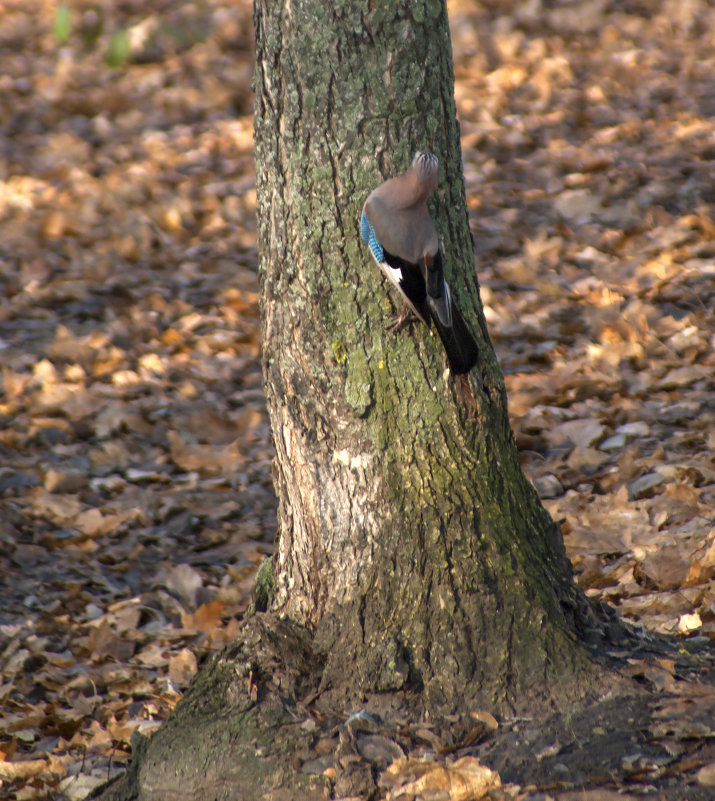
(206, 617)
(642, 486)
(464, 780)
(205, 459)
(705, 777)
(182, 667)
(379, 750)
(689, 623)
(104, 641)
(684, 376)
(184, 581)
(580, 433)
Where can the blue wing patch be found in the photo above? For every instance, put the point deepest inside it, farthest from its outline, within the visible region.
(367, 232)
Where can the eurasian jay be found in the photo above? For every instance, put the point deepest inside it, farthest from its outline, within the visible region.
(397, 226)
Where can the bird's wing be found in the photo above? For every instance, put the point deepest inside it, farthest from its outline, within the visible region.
(405, 232)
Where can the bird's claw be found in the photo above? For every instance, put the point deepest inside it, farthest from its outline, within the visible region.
(401, 320)
(405, 317)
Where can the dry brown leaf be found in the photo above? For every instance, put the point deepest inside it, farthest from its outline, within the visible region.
(464, 780)
(205, 459)
(125, 615)
(658, 675)
(95, 737)
(64, 481)
(7, 750)
(154, 655)
(94, 524)
(61, 509)
(104, 642)
(683, 376)
(206, 617)
(578, 205)
(182, 667)
(586, 460)
(485, 717)
(52, 766)
(664, 569)
(705, 777)
(184, 581)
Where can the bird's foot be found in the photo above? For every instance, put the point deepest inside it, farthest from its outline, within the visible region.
(399, 322)
(405, 317)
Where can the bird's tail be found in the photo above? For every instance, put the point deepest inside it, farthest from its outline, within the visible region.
(462, 350)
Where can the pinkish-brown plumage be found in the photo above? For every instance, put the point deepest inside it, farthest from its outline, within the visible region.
(398, 211)
(397, 227)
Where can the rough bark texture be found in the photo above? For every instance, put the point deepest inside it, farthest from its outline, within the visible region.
(410, 541)
(416, 572)
(234, 735)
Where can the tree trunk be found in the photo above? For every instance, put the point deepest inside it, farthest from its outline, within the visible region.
(416, 573)
(410, 541)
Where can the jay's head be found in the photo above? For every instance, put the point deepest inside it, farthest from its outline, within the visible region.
(426, 167)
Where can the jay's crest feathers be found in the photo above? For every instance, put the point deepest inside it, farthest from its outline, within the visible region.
(397, 226)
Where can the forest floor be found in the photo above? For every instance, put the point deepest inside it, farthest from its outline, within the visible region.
(136, 498)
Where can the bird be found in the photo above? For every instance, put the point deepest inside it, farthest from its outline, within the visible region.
(396, 225)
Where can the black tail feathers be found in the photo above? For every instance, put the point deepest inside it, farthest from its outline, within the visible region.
(462, 350)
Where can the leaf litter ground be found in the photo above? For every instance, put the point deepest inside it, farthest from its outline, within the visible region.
(135, 490)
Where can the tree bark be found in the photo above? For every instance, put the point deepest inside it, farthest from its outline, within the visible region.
(416, 573)
(410, 541)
